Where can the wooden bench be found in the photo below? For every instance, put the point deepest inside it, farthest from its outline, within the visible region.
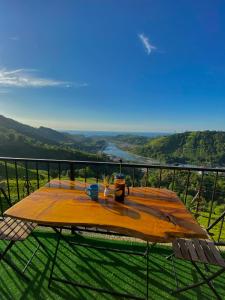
(15, 230)
(203, 251)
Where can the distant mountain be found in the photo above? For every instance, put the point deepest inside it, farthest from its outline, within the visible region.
(42, 134)
(196, 147)
(115, 133)
(20, 140)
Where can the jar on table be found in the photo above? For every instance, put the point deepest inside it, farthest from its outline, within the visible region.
(120, 185)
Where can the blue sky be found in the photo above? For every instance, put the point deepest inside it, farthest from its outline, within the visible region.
(126, 65)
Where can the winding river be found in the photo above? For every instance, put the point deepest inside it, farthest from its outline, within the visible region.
(114, 152)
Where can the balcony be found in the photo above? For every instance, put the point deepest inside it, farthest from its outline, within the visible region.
(199, 188)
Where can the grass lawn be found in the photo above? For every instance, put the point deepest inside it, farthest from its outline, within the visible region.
(110, 270)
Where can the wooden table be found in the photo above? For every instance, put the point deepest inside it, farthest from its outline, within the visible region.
(152, 214)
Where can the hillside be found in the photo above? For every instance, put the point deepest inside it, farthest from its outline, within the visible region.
(20, 140)
(196, 147)
(42, 134)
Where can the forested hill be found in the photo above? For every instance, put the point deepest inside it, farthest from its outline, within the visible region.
(20, 140)
(196, 147)
(42, 134)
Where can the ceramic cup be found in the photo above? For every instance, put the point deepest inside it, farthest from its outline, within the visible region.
(92, 191)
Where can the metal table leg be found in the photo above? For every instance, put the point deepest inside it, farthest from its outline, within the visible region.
(112, 292)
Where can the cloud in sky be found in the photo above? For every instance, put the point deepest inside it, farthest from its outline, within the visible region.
(25, 78)
(146, 43)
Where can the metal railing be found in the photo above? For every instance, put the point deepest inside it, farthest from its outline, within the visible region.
(201, 189)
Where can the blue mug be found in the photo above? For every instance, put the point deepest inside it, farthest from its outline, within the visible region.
(92, 191)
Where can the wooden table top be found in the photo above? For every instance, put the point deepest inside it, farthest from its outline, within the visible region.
(152, 214)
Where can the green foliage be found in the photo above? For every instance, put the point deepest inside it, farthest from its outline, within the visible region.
(197, 147)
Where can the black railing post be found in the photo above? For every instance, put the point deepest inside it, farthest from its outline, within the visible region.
(187, 186)
(72, 173)
(199, 195)
(160, 177)
(212, 199)
(146, 179)
(27, 178)
(121, 165)
(48, 171)
(7, 180)
(173, 180)
(59, 170)
(17, 182)
(37, 174)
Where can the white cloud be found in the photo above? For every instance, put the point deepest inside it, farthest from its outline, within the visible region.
(145, 41)
(25, 78)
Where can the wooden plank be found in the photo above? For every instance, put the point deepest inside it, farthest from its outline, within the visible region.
(199, 251)
(220, 261)
(156, 215)
(184, 249)
(176, 249)
(192, 250)
(208, 253)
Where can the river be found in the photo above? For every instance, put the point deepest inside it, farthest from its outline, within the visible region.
(114, 152)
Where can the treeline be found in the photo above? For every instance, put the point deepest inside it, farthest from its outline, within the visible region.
(196, 147)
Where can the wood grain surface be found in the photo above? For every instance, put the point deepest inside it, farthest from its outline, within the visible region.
(152, 214)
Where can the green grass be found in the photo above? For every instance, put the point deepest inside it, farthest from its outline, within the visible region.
(102, 269)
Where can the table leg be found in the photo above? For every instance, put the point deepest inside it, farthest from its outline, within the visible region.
(147, 252)
(102, 290)
(54, 258)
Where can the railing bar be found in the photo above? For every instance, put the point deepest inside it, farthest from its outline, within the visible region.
(212, 199)
(97, 177)
(59, 170)
(37, 175)
(200, 192)
(160, 177)
(72, 174)
(17, 183)
(27, 177)
(85, 174)
(7, 180)
(156, 166)
(48, 170)
(133, 177)
(146, 181)
(187, 186)
(121, 165)
(173, 180)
